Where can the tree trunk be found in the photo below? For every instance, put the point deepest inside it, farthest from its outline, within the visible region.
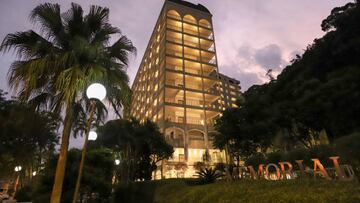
(61, 164)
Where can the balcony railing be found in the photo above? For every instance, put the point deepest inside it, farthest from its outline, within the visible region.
(194, 102)
(175, 100)
(194, 120)
(212, 48)
(177, 83)
(193, 71)
(173, 27)
(176, 40)
(193, 57)
(173, 53)
(204, 35)
(209, 60)
(189, 31)
(175, 119)
(174, 67)
(196, 86)
(212, 91)
(192, 44)
(210, 122)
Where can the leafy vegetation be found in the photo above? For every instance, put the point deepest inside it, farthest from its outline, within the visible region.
(208, 175)
(140, 147)
(97, 178)
(28, 137)
(57, 64)
(315, 100)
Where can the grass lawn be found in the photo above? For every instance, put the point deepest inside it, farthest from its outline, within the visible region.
(177, 190)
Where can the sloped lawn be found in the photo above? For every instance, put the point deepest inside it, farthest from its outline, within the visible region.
(179, 190)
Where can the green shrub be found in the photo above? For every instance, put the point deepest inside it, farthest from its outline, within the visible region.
(256, 159)
(348, 148)
(220, 167)
(199, 165)
(23, 194)
(274, 157)
(208, 175)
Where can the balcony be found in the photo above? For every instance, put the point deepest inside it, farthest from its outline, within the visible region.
(175, 119)
(194, 102)
(175, 83)
(174, 96)
(173, 24)
(207, 45)
(191, 41)
(175, 100)
(173, 50)
(174, 79)
(174, 64)
(190, 53)
(173, 53)
(208, 57)
(206, 33)
(190, 29)
(194, 121)
(174, 67)
(174, 114)
(193, 71)
(209, 71)
(173, 14)
(195, 116)
(205, 23)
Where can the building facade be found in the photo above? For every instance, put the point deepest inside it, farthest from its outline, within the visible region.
(179, 87)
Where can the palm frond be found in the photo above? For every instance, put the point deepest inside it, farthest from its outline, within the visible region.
(27, 44)
(121, 49)
(48, 17)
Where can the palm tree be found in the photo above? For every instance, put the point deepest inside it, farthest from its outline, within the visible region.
(56, 65)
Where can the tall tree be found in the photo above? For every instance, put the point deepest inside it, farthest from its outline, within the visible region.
(139, 146)
(35, 132)
(56, 65)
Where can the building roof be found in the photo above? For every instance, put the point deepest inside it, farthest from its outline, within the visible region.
(229, 78)
(191, 5)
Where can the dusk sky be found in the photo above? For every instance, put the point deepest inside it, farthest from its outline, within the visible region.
(251, 36)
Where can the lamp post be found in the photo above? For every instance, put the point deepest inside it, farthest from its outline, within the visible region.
(117, 163)
(17, 170)
(94, 91)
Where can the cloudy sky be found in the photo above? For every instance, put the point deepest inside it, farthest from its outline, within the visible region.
(251, 35)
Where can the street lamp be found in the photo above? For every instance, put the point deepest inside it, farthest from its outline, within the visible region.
(17, 169)
(92, 135)
(117, 162)
(95, 91)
